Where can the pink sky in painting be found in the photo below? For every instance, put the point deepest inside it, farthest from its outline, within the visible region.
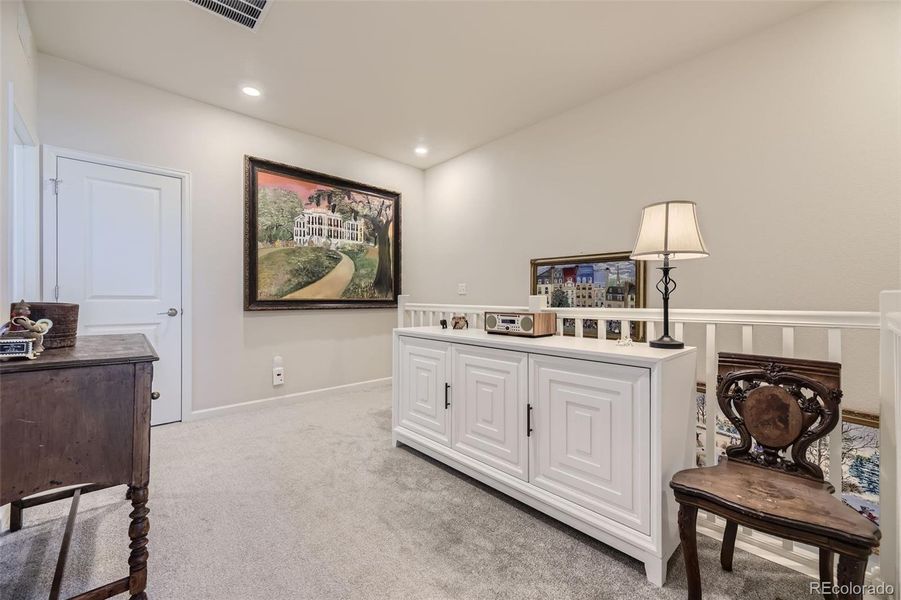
(303, 189)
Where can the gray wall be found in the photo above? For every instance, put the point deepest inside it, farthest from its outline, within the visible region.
(88, 110)
(789, 141)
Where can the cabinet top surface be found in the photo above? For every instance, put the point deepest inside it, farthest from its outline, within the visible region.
(606, 350)
(88, 351)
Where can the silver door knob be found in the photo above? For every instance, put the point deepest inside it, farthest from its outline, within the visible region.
(172, 312)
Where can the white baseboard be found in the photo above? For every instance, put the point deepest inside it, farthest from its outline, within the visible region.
(283, 399)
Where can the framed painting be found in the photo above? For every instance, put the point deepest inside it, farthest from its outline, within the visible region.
(609, 280)
(316, 241)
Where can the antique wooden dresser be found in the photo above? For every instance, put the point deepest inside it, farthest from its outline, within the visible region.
(80, 416)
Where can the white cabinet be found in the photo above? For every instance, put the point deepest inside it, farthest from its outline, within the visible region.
(424, 368)
(590, 442)
(489, 417)
(584, 430)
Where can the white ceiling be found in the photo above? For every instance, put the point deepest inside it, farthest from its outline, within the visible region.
(385, 76)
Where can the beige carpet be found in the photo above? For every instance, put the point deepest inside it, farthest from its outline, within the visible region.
(312, 501)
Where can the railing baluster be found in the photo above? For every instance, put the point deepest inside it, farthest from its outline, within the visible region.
(625, 330)
(834, 347)
(747, 339)
(580, 324)
(711, 406)
(559, 325)
(602, 329)
(680, 330)
(651, 331)
(788, 351)
(788, 342)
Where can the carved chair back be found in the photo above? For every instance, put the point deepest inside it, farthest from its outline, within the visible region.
(781, 404)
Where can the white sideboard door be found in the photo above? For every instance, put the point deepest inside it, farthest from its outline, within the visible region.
(489, 392)
(424, 375)
(591, 438)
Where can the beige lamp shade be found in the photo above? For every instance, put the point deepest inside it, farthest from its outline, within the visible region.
(669, 228)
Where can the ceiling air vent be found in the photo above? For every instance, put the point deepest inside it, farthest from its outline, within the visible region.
(243, 12)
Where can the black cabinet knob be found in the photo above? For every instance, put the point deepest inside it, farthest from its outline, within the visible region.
(154, 395)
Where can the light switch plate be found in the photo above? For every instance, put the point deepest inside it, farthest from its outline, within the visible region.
(461, 289)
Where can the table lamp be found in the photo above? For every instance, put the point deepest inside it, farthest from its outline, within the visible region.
(668, 231)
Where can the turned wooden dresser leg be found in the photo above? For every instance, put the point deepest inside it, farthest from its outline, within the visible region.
(137, 531)
(728, 549)
(15, 516)
(688, 521)
(826, 568)
(851, 574)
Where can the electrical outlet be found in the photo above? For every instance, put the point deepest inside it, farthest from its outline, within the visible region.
(278, 376)
(461, 289)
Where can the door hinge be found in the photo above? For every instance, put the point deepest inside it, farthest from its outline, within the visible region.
(56, 292)
(446, 399)
(528, 420)
(56, 183)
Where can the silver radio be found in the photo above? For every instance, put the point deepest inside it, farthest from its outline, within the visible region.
(524, 324)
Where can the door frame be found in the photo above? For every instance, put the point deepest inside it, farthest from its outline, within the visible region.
(49, 156)
(23, 258)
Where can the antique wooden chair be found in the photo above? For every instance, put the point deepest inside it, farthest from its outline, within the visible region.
(784, 405)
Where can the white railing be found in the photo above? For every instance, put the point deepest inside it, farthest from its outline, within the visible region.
(834, 323)
(890, 437)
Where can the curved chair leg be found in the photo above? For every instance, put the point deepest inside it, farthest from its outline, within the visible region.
(688, 520)
(851, 574)
(826, 562)
(728, 548)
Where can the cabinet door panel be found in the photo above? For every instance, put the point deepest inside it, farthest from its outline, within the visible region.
(489, 399)
(591, 440)
(423, 375)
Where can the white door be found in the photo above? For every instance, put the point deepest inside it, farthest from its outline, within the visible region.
(489, 395)
(590, 439)
(119, 258)
(424, 393)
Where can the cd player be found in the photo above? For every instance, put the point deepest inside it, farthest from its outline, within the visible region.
(525, 324)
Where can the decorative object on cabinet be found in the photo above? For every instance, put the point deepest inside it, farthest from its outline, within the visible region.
(460, 322)
(33, 330)
(16, 347)
(65, 322)
(668, 231)
(317, 241)
(537, 324)
(611, 280)
(443, 323)
(18, 309)
(99, 395)
(587, 433)
(776, 404)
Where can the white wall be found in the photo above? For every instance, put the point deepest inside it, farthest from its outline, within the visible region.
(789, 141)
(18, 69)
(88, 110)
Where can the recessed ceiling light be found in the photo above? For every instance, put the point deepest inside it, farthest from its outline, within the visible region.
(421, 150)
(251, 91)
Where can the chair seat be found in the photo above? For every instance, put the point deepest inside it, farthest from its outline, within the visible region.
(774, 496)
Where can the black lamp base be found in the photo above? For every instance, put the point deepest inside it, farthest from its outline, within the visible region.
(666, 341)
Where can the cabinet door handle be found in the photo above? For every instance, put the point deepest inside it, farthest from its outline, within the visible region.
(528, 420)
(446, 401)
